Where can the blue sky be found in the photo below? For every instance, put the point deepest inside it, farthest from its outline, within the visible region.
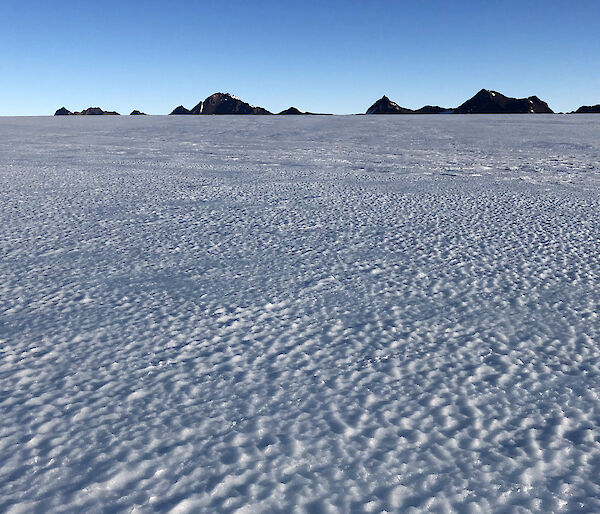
(328, 56)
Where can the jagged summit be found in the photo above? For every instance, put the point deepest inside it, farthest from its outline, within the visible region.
(487, 101)
(385, 106)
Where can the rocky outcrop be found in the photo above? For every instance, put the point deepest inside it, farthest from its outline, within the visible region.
(180, 109)
(492, 102)
(224, 103)
(221, 103)
(197, 109)
(90, 111)
(137, 113)
(96, 111)
(433, 109)
(385, 106)
(292, 110)
(588, 109)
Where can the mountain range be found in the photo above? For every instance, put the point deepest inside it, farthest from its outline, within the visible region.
(484, 102)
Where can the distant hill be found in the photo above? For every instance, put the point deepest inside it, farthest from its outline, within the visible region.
(588, 109)
(492, 102)
(292, 110)
(137, 113)
(296, 111)
(90, 111)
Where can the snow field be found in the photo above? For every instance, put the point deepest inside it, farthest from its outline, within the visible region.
(325, 314)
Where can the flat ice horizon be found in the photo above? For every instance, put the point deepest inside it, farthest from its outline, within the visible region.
(300, 314)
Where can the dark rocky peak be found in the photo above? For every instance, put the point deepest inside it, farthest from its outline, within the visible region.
(385, 106)
(588, 109)
(296, 111)
(63, 111)
(197, 109)
(137, 113)
(221, 103)
(180, 110)
(96, 111)
(489, 94)
(491, 102)
(292, 110)
(536, 105)
(92, 111)
(433, 109)
(224, 103)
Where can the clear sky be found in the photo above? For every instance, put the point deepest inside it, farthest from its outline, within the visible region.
(327, 56)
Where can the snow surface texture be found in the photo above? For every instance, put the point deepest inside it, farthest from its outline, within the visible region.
(312, 314)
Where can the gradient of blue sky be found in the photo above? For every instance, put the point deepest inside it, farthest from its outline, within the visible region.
(334, 56)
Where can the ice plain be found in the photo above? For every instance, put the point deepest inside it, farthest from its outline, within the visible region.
(300, 314)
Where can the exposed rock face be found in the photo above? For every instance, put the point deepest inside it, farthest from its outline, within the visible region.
(492, 102)
(292, 110)
(180, 110)
(588, 109)
(197, 109)
(295, 111)
(433, 109)
(137, 113)
(96, 111)
(63, 111)
(385, 106)
(221, 103)
(90, 111)
(224, 103)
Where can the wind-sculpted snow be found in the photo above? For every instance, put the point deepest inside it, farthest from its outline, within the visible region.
(305, 314)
